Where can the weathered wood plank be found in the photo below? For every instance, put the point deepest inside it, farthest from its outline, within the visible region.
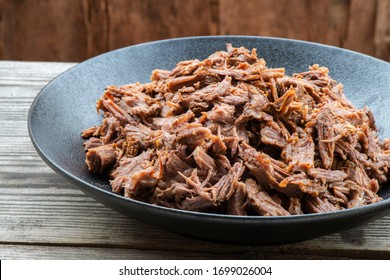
(40, 208)
(361, 26)
(382, 30)
(64, 216)
(288, 18)
(22, 252)
(138, 21)
(72, 30)
(96, 20)
(296, 19)
(34, 76)
(336, 22)
(42, 30)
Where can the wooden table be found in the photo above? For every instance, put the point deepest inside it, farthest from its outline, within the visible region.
(42, 216)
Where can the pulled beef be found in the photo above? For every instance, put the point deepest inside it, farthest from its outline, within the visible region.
(262, 202)
(100, 158)
(230, 135)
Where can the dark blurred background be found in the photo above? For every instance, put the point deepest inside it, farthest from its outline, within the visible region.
(74, 30)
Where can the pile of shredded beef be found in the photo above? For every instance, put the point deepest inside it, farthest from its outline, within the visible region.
(229, 135)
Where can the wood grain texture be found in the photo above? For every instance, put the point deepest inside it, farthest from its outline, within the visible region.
(74, 30)
(139, 21)
(382, 30)
(42, 30)
(295, 19)
(96, 21)
(361, 26)
(44, 216)
(22, 252)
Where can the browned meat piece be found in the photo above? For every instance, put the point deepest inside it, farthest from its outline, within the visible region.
(196, 203)
(203, 160)
(175, 164)
(226, 186)
(362, 196)
(174, 122)
(235, 98)
(229, 135)
(204, 95)
(326, 134)
(297, 82)
(237, 56)
(160, 75)
(223, 113)
(317, 76)
(353, 195)
(101, 158)
(317, 204)
(193, 136)
(327, 175)
(118, 112)
(137, 175)
(358, 174)
(184, 81)
(109, 129)
(238, 201)
(261, 166)
(138, 104)
(202, 199)
(172, 195)
(300, 183)
(254, 110)
(92, 142)
(187, 67)
(295, 207)
(261, 202)
(384, 158)
(386, 145)
(282, 104)
(89, 132)
(299, 152)
(141, 183)
(272, 134)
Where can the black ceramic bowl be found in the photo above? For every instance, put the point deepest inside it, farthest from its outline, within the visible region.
(66, 106)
